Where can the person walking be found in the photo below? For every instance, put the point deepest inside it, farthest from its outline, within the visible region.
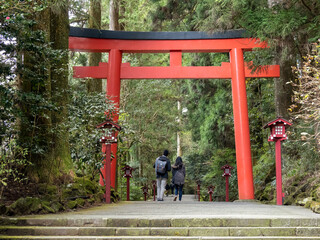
(162, 167)
(178, 176)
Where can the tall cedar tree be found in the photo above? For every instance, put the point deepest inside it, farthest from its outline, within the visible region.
(46, 128)
(94, 85)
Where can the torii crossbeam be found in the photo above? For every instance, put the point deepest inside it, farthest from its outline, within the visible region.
(176, 43)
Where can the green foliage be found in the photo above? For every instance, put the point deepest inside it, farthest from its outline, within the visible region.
(209, 106)
(149, 114)
(277, 21)
(196, 166)
(306, 97)
(174, 14)
(136, 14)
(264, 171)
(86, 111)
(24, 81)
(13, 7)
(136, 193)
(12, 163)
(79, 12)
(300, 156)
(207, 170)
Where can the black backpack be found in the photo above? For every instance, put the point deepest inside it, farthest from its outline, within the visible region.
(160, 166)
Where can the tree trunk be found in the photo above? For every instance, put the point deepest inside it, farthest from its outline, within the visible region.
(114, 15)
(286, 60)
(283, 91)
(94, 85)
(179, 149)
(35, 125)
(140, 162)
(45, 77)
(59, 36)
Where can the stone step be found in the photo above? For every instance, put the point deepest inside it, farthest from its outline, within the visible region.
(164, 222)
(160, 231)
(156, 238)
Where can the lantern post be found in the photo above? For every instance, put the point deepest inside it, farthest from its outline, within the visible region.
(145, 192)
(278, 134)
(227, 173)
(154, 184)
(109, 129)
(128, 174)
(210, 191)
(198, 189)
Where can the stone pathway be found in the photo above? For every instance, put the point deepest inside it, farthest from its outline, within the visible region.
(190, 208)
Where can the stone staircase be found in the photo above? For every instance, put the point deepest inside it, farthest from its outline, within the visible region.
(81, 227)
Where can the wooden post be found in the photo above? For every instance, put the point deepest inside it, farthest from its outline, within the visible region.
(241, 125)
(113, 92)
(128, 188)
(227, 188)
(278, 172)
(107, 176)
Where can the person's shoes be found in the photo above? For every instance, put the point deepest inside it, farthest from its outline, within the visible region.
(160, 200)
(175, 198)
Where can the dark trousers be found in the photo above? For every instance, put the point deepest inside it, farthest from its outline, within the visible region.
(178, 188)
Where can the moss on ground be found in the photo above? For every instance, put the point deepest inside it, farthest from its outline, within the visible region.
(79, 193)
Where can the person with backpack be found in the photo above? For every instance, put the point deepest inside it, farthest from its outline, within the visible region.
(162, 167)
(178, 176)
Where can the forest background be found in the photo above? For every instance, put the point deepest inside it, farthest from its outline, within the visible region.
(48, 118)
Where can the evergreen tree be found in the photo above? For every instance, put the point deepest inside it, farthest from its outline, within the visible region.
(36, 39)
(95, 85)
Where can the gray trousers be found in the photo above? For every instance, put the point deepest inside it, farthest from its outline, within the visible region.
(161, 187)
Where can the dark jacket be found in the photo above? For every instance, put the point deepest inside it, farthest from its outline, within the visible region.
(168, 167)
(178, 179)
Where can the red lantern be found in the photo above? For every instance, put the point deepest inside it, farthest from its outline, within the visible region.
(127, 171)
(198, 189)
(227, 173)
(128, 174)
(109, 129)
(154, 184)
(145, 192)
(277, 129)
(210, 191)
(226, 170)
(278, 134)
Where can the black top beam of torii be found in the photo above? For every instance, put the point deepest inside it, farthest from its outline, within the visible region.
(127, 35)
(95, 40)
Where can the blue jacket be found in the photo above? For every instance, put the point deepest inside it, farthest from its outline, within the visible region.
(168, 167)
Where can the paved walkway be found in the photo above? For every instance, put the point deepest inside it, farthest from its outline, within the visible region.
(190, 208)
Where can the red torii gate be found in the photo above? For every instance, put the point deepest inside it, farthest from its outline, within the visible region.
(175, 43)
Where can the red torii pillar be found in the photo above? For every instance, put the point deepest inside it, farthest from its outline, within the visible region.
(241, 125)
(114, 70)
(113, 92)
